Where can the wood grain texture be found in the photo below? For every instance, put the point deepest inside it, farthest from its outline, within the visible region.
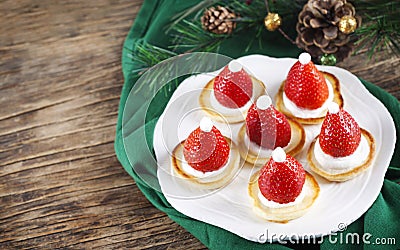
(61, 185)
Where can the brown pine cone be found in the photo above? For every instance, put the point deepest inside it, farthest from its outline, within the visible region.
(218, 20)
(318, 31)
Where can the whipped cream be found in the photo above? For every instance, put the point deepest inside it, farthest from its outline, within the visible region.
(304, 58)
(263, 102)
(206, 124)
(231, 111)
(255, 149)
(338, 165)
(309, 113)
(273, 204)
(207, 176)
(235, 66)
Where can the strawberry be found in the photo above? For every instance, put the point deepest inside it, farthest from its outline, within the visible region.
(233, 87)
(266, 126)
(305, 86)
(206, 150)
(282, 178)
(340, 134)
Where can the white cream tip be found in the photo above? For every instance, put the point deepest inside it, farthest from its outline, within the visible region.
(333, 108)
(234, 66)
(304, 58)
(279, 155)
(206, 124)
(263, 102)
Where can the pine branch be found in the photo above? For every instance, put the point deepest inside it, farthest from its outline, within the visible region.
(252, 14)
(381, 26)
(189, 36)
(287, 8)
(196, 9)
(147, 55)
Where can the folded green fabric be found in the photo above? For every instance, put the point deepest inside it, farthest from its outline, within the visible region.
(381, 221)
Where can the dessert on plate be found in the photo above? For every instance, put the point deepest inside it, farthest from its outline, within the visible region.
(228, 96)
(282, 190)
(266, 129)
(305, 94)
(342, 150)
(206, 158)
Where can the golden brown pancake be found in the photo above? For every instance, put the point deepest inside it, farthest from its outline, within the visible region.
(283, 214)
(298, 138)
(224, 178)
(215, 115)
(356, 170)
(336, 98)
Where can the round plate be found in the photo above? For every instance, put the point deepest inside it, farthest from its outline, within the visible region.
(230, 207)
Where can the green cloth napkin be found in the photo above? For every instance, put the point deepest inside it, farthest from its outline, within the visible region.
(382, 220)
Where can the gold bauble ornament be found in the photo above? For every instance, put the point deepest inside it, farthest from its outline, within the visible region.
(272, 21)
(347, 24)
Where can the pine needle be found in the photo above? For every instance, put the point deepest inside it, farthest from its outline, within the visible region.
(381, 26)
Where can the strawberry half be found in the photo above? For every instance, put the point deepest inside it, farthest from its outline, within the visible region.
(233, 87)
(266, 126)
(340, 134)
(206, 149)
(282, 178)
(305, 86)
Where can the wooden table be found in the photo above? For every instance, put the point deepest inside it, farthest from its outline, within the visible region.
(60, 81)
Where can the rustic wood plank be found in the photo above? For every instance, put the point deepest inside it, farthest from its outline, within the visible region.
(383, 69)
(61, 185)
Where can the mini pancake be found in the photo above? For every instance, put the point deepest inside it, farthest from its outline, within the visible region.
(216, 115)
(284, 214)
(355, 171)
(222, 179)
(337, 97)
(296, 143)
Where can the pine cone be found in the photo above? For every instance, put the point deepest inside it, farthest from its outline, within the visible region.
(218, 20)
(318, 32)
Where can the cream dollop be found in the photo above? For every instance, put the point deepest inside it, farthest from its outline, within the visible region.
(255, 149)
(206, 124)
(218, 107)
(273, 204)
(333, 108)
(279, 155)
(304, 58)
(263, 102)
(309, 113)
(235, 66)
(207, 176)
(230, 111)
(337, 165)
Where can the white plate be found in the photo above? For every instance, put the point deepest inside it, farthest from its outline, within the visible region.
(230, 208)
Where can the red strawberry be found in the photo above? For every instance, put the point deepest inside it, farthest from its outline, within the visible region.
(206, 149)
(233, 87)
(282, 178)
(266, 126)
(305, 85)
(340, 134)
